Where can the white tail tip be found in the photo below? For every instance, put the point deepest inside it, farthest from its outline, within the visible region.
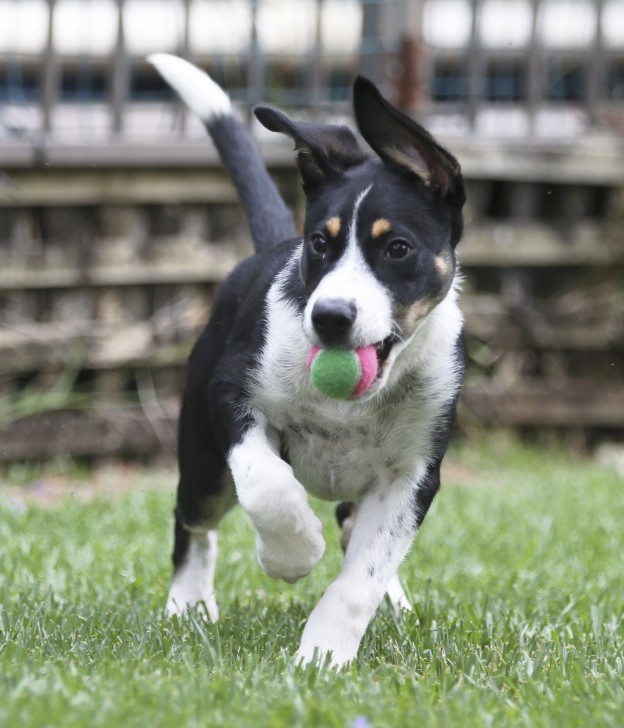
(198, 91)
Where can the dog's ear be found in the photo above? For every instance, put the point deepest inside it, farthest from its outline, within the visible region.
(323, 150)
(402, 143)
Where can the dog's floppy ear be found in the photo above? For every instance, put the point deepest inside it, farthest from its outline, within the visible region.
(402, 143)
(323, 150)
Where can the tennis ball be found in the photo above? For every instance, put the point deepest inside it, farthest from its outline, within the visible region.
(340, 373)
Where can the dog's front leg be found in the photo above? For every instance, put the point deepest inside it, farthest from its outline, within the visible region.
(289, 538)
(384, 527)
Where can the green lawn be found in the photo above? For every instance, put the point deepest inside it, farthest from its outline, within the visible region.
(517, 578)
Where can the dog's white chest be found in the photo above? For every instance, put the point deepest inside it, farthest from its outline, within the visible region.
(341, 450)
(339, 462)
(339, 454)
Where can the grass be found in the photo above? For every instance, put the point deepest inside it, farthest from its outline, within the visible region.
(517, 578)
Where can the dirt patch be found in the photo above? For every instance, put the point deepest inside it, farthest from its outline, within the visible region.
(52, 490)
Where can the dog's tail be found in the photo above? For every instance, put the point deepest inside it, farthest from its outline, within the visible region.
(270, 220)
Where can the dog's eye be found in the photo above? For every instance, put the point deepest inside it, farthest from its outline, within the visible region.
(318, 243)
(398, 249)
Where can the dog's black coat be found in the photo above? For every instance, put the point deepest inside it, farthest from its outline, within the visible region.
(219, 372)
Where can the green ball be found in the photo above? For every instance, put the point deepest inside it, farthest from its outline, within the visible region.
(335, 372)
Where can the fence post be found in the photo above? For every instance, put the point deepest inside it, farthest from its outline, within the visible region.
(185, 52)
(594, 84)
(534, 69)
(316, 68)
(120, 81)
(255, 66)
(412, 86)
(50, 74)
(476, 74)
(369, 43)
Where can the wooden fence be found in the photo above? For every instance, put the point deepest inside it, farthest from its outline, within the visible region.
(108, 275)
(115, 231)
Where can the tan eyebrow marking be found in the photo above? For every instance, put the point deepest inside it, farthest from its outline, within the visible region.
(380, 227)
(443, 265)
(333, 226)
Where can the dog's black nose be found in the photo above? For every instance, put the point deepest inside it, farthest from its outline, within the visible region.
(332, 319)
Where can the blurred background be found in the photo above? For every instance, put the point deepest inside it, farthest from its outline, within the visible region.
(117, 223)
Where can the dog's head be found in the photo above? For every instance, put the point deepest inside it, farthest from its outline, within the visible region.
(380, 230)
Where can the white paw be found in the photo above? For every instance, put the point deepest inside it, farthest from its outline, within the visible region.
(289, 536)
(294, 548)
(332, 631)
(397, 596)
(321, 647)
(179, 604)
(193, 582)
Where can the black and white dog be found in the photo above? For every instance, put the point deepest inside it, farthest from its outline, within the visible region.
(376, 265)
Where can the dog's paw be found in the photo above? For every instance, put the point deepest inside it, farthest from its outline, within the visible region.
(333, 631)
(180, 600)
(326, 648)
(193, 581)
(293, 550)
(397, 597)
(289, 536)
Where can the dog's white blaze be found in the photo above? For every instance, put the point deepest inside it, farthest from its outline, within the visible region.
(193, 582)
(198, 91)
(352, 234)
(353, 280)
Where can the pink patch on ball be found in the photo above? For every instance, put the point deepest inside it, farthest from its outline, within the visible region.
(313, 352)
(369, 365)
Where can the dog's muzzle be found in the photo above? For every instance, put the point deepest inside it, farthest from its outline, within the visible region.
(333, 319)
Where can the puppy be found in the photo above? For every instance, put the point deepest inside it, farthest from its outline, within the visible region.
(376, 267)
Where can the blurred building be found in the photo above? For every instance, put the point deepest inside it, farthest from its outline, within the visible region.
(498, 66)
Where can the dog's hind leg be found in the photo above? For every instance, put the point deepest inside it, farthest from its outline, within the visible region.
(345, 515)
(195, 557)
(205, 494)
(193, 578)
